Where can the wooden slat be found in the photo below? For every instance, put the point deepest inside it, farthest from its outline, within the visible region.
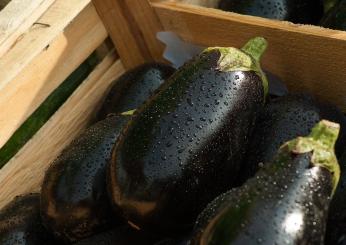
(53, 22)
(22, 93)
(148, 24)
(127, 39)
(24, 173)
(307, 58)
(17, 17)
(132, 25)
(204, 3)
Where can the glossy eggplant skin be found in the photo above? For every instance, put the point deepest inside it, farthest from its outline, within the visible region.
(285, 203)
(133, 88)
(336, 17)
(171, 241)
(185, 146)
(336, 224)
(74, 200)
(296, 11)
(283, 119)
(257, 211)
(122, 235)
(20, 222)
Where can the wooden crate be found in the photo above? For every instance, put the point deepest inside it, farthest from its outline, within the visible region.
(41, 43)
(50, 38)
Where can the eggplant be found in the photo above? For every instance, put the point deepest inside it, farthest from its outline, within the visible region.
(74, 200)
(285, 118)
(133, 88)
(277, 87)
(336, 224)
(122, 235)
(182, 239)
(336, 17)
(185, 145)
(285, 203)
(171, 241)
(296, 11)
(20, 222)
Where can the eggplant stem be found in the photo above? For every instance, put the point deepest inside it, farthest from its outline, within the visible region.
(255, 47)
(320, 142)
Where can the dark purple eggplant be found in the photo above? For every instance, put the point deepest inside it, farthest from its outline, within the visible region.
(20, 223)
(336, 225)
(173, 241)
(185, 145)
(123, 235)
(285, 203)
(74, 201)
(296, 11)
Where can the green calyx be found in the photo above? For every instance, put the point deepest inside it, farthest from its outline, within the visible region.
(245, 59)
(320, 142)
(128, 113)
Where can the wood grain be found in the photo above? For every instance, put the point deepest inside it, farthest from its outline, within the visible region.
(119, 24)
(24, 173)
(204, 3)
(17, 17)
(132, 25)
(52, 23)
(23, 93)
(307, 58)
(149, 24)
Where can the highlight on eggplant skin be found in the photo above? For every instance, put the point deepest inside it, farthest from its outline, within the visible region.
(284, 203)
(185, 145)
(74, 198)
(20, 222)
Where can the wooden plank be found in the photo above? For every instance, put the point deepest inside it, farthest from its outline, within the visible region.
(307, 58)
(105, 47)
(52, 23)
(204, 3)
(17, 17)
(24, 173)
(120, 26)
(148, 24)
(25, 91)
(132, 25)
